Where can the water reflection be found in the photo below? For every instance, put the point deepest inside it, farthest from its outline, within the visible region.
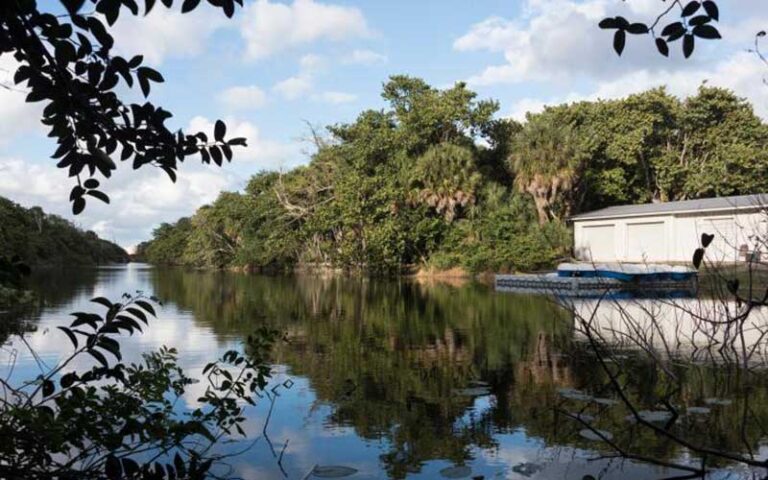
(398, 379)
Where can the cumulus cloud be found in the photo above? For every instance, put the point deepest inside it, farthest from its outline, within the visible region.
(166, 33)
(143, 198)
(261, 152)
(364, 57)
(299, 85)
(140, 199)
(559, 39)
(268, 27)
(335, 98)
(243, 97)
(294, 87)
(742, 73)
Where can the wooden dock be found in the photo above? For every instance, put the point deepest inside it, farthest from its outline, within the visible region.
(587, 286)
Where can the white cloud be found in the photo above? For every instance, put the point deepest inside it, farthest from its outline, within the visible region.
(269, 27)
(335, 98)
(140, 198)
(243, 97)
(166, 33)
(294, 87)
(743, 73)
(143, 198)
(559, 40)
(261, 152)
(312, 63)
(17, 115)
(364, 57)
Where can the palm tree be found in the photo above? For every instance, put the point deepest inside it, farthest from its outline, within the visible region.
(544, 160)
(446, 179)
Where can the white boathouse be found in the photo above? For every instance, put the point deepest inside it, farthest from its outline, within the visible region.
(670, 232)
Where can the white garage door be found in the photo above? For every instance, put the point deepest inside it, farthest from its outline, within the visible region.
(598, 243)
(646, 242)
(724, 246)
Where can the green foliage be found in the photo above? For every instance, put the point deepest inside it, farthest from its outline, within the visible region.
(118, 420)
(40, 239)
(435, 181)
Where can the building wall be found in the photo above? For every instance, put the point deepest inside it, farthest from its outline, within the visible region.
(669, 237)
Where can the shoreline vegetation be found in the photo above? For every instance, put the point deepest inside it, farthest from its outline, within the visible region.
(33, 239)
(435, 184)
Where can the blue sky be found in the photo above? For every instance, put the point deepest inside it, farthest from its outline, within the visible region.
(281, 63)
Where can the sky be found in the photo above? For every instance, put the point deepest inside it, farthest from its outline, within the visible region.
(279, 66)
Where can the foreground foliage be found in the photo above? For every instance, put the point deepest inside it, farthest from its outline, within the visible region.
(64, 59)
(125, 420)
(436, 181)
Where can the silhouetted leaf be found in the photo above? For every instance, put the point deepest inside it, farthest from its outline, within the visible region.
(608, 23)
(113, 468)
(699, 20)
(130, 467)
(67, 380)
(219, 130)
(146, 306)
(673, 29)
(73, 6)
(698, 256)
(688, 45)
(711, 8)
(99, 357)
(706, 31)
(189, 5)
(91, 183)
(48, 388)
(78, 205)
(71, 335)
(662, 47)
(637, 28)
(102, 301)
(690, 8)
(619, 40)
(98, 194)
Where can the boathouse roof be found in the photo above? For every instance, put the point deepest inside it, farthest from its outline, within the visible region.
(739, 202)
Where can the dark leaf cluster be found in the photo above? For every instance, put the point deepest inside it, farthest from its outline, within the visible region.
(66, 62)
(118, 420)
(695, 21)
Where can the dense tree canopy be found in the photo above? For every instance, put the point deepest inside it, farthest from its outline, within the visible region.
(43, 239)
(436, 181)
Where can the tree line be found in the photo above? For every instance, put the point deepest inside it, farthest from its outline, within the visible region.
(436, 180)
(37, 238)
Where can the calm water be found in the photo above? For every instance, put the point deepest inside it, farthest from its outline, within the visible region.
(384, 375)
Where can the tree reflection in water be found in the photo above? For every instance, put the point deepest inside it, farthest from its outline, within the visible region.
(404, 362)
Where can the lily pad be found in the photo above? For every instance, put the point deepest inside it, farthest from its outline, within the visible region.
(593, 435)
(573, 394)
(698, 410)
(473, 392)
(479, 383)
(584, 417)
(456, 472)
(333, 471)
(718, 401)
(652, 416)
(605, 401)
(527, 469)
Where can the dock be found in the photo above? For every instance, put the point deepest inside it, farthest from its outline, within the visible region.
(596, 280)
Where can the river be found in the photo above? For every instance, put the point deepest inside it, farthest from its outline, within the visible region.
(393, 378)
